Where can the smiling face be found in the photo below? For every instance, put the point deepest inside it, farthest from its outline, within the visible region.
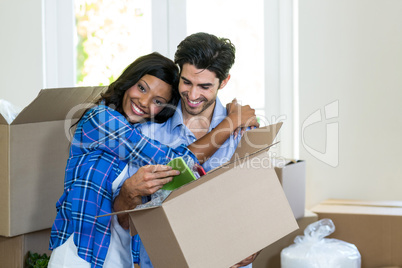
(198, 89)
(146, 98)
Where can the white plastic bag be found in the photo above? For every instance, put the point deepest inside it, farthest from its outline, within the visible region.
(9, 111)
(314, 251)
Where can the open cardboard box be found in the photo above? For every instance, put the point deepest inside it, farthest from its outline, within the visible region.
(33, 156)
(375, 227)
(225, 216)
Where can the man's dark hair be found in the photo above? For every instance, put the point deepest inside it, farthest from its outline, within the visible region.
(206, 51)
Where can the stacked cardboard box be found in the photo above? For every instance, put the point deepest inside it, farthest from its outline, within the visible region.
(375, 227)
(33, 156)
(14, 250)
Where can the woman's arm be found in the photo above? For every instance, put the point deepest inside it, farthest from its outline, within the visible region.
(106, 129)
(103, 128)
(238, 117)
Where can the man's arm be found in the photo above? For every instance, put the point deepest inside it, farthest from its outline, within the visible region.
(238, 117)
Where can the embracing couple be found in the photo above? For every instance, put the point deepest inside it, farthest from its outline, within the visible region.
(115, 163)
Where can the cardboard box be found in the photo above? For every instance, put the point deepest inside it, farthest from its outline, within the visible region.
(223, 217)
(271, 255)
(292, 175)
(33, 156)
(14, 250)
(375, 227)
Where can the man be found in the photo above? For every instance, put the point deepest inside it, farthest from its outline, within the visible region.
(205, 62)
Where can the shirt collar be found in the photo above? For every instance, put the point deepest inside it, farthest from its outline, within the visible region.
(177, 118)
(219, 114)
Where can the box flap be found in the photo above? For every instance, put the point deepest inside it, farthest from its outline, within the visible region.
(4, 180)
(128, 211)
(56, 103)
(256, 139)
(280, 163)
(3, 120)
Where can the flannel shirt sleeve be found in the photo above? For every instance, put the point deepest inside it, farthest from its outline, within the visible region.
(92, 196)
(103, 128)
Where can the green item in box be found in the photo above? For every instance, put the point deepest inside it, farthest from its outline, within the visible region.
(186, 175)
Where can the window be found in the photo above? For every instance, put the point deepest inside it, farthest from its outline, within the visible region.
(110, 35)
(243, 24)
(263, 31)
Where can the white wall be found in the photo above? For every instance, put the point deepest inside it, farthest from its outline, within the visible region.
(37, 49)
(351, 56)
(20, 50)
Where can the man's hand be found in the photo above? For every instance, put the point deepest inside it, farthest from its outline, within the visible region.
(241, 116)
(146, 181)
(246, 261)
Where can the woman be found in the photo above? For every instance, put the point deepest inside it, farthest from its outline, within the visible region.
(105, 140)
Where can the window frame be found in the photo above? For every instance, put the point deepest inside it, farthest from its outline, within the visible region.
(58, 38)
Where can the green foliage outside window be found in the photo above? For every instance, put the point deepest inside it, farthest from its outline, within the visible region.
(110, 35)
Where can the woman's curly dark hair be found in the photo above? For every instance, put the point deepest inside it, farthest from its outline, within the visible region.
(152, 64)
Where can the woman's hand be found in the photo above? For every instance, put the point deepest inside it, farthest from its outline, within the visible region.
(146, 181)
(241, 116)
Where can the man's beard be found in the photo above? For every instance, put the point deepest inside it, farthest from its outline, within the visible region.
(197, 111)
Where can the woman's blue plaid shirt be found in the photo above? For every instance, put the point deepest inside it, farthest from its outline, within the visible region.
(103, 143)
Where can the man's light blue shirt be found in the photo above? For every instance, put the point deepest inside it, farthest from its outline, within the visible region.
(174, 133)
